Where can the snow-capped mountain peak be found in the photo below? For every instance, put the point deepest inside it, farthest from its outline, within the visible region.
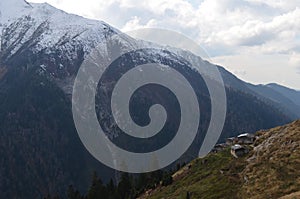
(43, 27)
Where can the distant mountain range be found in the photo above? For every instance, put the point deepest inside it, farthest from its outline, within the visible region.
(288, 98)
(292, 94)
(41, 51)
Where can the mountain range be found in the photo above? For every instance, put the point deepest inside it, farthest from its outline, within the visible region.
(41, 50)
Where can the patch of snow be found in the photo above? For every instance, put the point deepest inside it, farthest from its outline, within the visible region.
(43, 67)
(12, 9)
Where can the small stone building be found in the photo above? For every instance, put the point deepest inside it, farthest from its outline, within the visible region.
(246, 138)
(238, 150)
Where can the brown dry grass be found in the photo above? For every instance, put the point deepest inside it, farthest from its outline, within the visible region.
(295, 195)
(274, 165)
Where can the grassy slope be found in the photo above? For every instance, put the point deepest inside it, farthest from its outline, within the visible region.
(271, 170)
(214, 176)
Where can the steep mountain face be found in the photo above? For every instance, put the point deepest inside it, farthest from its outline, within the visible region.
(270, 170)
(39, 149)
(41, 50)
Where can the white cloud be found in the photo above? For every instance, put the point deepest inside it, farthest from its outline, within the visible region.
(261, 69)
(294, 60)
(284, 5)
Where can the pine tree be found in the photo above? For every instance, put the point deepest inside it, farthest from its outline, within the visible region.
(111, 189)
(97, 190)
(73, 194)
(124, 187)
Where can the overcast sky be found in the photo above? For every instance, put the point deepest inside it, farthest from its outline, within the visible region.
(257, 40)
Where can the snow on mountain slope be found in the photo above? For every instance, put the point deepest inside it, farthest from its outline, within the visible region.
(12, 9)
(21, 22)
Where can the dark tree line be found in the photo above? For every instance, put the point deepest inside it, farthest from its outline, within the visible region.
(128, 187)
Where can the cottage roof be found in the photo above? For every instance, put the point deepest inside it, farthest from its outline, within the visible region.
(236, 147)
(245, 135)
(232, 138)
